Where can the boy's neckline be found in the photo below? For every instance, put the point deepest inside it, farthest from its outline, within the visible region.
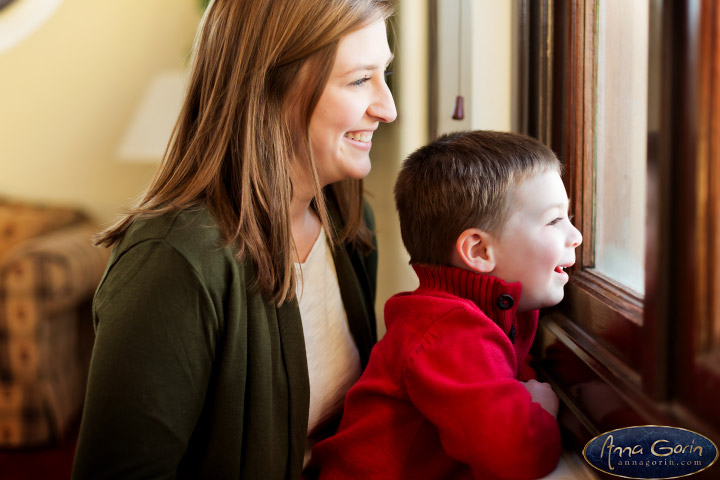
(491, 294)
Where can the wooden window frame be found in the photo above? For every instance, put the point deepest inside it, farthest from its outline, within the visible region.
(643, 354)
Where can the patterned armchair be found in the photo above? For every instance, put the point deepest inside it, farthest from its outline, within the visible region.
(48, 273)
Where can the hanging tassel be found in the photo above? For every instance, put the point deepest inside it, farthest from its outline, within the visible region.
(459, 112)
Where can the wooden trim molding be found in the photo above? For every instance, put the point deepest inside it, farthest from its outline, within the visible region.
(573, 130)
(433, 69)
(698, 367)
(708, 177)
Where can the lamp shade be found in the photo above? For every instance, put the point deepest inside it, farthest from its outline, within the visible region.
(19, 19)
(149, 130)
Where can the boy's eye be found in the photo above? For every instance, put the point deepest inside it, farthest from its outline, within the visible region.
(560, 219)
(388, 74)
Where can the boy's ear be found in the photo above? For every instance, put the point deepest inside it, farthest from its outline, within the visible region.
(474, 250)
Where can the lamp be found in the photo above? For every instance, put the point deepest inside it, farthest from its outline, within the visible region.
(19, 19)
(149, 131)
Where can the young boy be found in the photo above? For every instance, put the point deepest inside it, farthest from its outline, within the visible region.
(447, 393)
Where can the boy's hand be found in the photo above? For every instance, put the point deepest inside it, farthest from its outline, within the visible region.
(543, 394)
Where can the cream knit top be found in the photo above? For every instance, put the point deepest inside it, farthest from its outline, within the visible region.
(332, 356)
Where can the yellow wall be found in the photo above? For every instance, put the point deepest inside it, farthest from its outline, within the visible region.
(68, 91)
(394, 142)
(486, 64)
(487, 86)
(492, 99)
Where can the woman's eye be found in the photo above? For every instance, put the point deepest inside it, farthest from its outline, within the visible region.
(360, 81)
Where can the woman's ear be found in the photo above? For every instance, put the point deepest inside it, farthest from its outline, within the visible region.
(474, 250)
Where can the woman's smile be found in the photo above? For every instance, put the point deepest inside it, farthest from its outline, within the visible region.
(360, 139)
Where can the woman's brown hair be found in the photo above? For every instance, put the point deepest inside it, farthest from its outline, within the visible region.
(239, 129)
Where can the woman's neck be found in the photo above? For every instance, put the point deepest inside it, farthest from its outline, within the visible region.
(304, 225)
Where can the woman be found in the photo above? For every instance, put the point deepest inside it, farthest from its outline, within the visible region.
(237, 306)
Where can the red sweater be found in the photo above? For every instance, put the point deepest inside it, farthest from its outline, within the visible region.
(440, 397)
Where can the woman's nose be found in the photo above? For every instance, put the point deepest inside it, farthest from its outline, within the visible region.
(383, 106)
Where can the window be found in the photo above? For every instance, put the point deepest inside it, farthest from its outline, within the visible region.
(628, 95)
(620, 141)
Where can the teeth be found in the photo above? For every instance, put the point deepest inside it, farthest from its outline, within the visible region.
(360, 137)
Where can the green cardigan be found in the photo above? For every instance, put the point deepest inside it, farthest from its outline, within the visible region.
(193, 373)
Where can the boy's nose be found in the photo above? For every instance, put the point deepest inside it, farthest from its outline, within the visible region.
(575, 238)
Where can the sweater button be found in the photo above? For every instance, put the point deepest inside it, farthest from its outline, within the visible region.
(505, 302)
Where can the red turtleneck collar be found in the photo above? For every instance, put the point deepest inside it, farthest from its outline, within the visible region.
(494, 297)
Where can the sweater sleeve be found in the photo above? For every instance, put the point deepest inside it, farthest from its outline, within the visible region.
(150, 367)
(461, 377)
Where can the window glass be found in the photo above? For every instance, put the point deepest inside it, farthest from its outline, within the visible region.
(621, 156)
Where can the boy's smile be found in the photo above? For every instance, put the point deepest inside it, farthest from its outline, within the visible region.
(537, 242)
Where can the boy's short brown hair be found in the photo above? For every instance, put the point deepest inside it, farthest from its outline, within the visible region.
(462, 180)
